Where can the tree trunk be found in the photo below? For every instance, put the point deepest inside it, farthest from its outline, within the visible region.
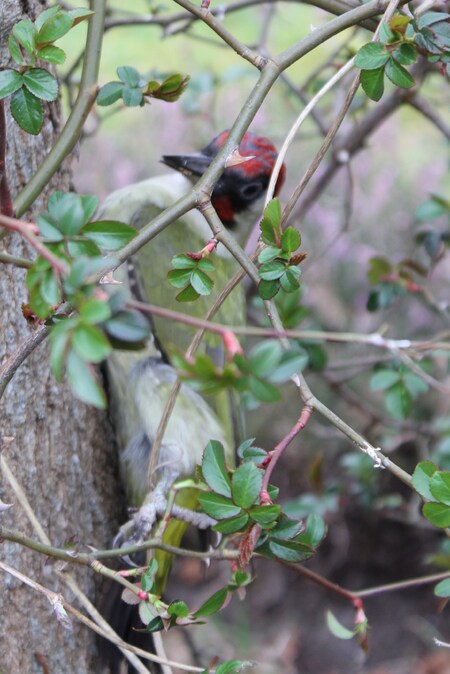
(61, 451)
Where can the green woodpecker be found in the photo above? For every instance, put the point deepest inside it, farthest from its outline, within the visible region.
(140, 382)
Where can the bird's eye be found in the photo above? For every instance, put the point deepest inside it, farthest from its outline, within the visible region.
(251, 191)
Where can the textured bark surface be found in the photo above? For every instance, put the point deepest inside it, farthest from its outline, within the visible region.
(62, 451)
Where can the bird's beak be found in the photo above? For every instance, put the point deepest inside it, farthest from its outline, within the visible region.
(191, 165)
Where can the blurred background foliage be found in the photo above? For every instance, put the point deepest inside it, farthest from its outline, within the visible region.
(376, 533)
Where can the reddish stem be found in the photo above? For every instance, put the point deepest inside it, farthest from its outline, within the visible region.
(27, 230)
(276, 453)
(6, 205)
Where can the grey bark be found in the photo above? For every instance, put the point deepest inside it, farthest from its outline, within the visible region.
(62, 452)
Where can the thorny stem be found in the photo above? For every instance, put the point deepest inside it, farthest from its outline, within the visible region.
(277, 452)
(88, 558)
(373, 339)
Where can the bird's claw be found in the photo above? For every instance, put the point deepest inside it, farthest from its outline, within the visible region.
(136, 531)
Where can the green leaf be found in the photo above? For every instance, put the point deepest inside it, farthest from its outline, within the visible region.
(132, 96)
(67, 211)
(155, 625)
(438, 514)
(24, 33)
(429, 18)
(232, 524)
(214, 468)
(372, 82)
(268, 254)
(205, 265)
(433, 208)
(270, 271)
(27, 111)
(201, 282)
(41, 83)
(178, 609)
(265, 357)
(290, 551)
(213, 604)
(50, 289)
(263, 390)
(290, 240)
(371, 56)
(421, 478)
(268, 289)
(128, 326)
(189, 294)
(270, 224)
(54, 27)
(314, 532)
(90, 343)
(406, 53)
(378, 269)
(59, 343)
(80, 247)
(265, 514)
(384, 379)
(52, 54)
(217, 506)
(129, 75)
(442, 589)
(290, 281)
(110, 93)
(179, 278)
(46, 14)
(109, 234)
(246, 484)
(398, 74)
(398, 401)
(183, 262)
(293, 360)
(84, 382)
(440, 486)
(286, 528)
(95, 311)
(80, 14)
(10, 81)
(337, 628)
(14, 49)
(414, 384)
(89, 203)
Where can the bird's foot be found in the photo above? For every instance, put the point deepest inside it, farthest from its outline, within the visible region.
(138, 528)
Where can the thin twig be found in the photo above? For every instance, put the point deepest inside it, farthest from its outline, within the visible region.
(26, 230)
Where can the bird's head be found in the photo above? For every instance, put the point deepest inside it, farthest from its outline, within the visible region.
(239, 194)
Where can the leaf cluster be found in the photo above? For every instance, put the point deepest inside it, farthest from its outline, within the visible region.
(190, 274)
(434, 487)
(29, 43)
(392, 281)
(234, 500)
(401, 388)
(400, 42)
(87, 337)
(156, 615)
(278, 263)
(135, 89)
(255, 377)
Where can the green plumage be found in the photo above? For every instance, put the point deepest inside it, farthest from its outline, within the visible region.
(139, 382)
